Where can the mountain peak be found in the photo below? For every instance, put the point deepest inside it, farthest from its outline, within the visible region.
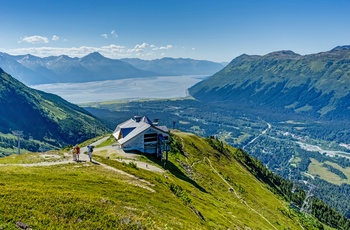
(29, 57)
(339, 48)
(94, 56)
(283, 53)
(63, 57)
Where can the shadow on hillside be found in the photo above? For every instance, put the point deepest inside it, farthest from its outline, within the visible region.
(173, 169)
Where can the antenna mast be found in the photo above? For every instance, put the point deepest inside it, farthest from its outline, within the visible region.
(18, 134)
(307, 205)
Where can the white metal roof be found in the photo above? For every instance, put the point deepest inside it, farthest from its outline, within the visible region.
(137, 128)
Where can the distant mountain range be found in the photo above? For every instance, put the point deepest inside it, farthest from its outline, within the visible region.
(46, 117)
(315, 85)
(32, 70)
(176, 66)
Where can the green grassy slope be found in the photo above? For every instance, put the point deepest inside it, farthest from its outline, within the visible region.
(237, 198)
(46, 117)
(315, 84)
(202, 188)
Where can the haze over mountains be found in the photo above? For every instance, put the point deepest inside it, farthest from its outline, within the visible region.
(176, 66)
(31, 70)
(315, 85)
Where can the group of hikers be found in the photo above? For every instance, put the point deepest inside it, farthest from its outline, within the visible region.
(76, 152)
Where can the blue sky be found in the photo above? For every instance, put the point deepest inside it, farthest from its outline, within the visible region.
(217, 30)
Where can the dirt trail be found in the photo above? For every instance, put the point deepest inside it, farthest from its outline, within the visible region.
(230, 187)
(85, 158)
(243, 201)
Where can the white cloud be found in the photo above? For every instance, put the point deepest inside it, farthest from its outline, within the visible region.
(166, 47)
(55, 38)
(111, 51)
(135, 50)
(114, 34)
(113, 47)
(154, 48)
(36, 39)
(108, 51)
(193, 48)
(139, 48)
(142, 46)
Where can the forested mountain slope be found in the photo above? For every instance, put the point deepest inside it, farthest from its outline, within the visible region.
(315, 85)
(43, 116)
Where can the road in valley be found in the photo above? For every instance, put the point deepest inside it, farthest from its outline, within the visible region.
(262, 133)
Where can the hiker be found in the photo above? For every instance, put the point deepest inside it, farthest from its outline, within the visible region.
(77, 152)
(74, 155)
(90, 149)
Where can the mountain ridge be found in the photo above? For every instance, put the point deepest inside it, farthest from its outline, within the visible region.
(176, 66)
(315, 85)
(43, 115)
(32, 70)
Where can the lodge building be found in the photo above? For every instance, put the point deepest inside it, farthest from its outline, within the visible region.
(141, 134)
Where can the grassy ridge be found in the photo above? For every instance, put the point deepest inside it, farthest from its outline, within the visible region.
(61, 197)
(254, 205)
(202, 189)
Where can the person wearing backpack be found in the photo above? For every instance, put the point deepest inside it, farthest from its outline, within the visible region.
(90, 149)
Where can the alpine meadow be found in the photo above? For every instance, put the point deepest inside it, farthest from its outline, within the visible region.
(223, 114)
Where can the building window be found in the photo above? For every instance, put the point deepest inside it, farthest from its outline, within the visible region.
(152, 137)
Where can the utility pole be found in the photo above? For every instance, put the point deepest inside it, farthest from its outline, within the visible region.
(18, 134)
(307, 205)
